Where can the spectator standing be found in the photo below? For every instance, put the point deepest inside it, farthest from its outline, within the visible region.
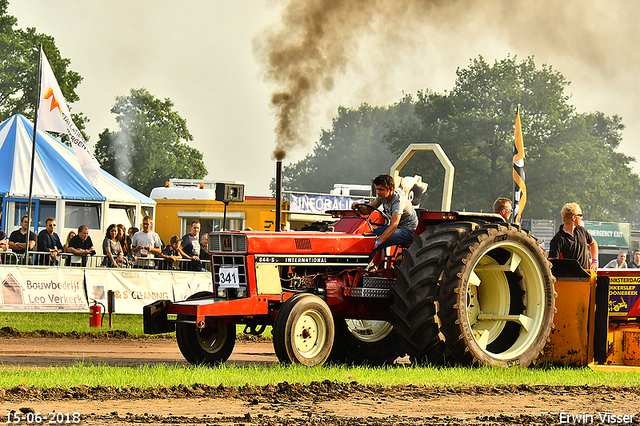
(48, 240)
(619, 262)
(18, 238)
(81, 246)
(3, 245)
(572, 239)
(635, 263)
(191, 245)
(204, 248)
(130, 233)
(125, 243)
(502, 206)
(112, 249)
(146, 244)
(171, 253)
(70, 235)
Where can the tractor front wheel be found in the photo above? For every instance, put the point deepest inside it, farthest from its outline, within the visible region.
(304, 331)
(210, 345)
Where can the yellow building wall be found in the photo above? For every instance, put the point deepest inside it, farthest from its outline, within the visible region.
(259, 213)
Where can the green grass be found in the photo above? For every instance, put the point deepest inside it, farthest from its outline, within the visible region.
(232, 375)
(68, 322)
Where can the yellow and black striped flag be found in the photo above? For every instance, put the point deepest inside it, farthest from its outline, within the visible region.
(519, 187)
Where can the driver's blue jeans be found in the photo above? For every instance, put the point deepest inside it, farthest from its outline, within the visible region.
(401, 236)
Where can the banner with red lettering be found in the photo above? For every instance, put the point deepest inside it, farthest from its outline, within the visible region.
(42, 290)
(133, 288)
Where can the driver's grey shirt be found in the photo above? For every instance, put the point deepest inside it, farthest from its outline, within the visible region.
(400, 205)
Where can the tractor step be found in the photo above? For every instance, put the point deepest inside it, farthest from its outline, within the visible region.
(373, 293)
(377, 282)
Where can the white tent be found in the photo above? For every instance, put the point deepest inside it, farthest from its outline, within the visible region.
(60, 189)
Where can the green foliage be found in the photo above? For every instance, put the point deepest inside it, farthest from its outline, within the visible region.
(351, 152)
(151, 145)
(569, 156)
(19, 58)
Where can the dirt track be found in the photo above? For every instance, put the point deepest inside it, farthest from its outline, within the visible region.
(325, 403)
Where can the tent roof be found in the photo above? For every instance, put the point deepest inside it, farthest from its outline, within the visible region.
(57, 172)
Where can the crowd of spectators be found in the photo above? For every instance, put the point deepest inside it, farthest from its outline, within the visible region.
(121, 247)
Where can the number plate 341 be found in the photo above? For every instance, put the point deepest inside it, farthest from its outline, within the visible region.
(228, 278)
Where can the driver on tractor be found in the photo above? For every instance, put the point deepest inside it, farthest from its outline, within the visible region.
(395, 205)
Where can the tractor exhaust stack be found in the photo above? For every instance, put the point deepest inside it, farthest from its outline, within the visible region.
(278, 193)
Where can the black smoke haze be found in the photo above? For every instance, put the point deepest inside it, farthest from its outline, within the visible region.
(317, 43)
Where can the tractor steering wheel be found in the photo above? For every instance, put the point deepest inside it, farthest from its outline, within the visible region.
(386, 220)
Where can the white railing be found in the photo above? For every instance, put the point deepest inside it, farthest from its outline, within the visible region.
(39, 259)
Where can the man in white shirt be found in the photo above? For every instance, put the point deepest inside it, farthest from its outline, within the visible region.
(146, 244)
(619, 262)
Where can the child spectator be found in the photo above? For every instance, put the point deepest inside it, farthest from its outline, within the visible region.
(171, 254)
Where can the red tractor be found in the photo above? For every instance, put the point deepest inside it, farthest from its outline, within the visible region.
(469, 289)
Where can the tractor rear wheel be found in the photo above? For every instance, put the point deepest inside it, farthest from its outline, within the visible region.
(496, 298)
(304, 331)
(365, 342)
(415, 291)
(210, 345)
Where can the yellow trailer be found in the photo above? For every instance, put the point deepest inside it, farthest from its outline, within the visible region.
(174, 216)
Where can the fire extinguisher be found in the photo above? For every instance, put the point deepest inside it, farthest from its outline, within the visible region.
(95, 315)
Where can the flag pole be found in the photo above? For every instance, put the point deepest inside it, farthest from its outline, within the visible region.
(513, 213)
(33, 155)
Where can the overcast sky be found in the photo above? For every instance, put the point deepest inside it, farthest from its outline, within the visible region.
(199, 54)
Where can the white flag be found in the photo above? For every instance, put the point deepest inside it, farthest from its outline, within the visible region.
(54, 115)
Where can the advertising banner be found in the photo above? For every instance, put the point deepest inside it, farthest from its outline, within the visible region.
(310, 203)
(624, 295)
(38, 290)
(133, 289)
(185, 284)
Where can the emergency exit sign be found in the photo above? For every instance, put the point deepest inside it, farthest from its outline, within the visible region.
(609, 233)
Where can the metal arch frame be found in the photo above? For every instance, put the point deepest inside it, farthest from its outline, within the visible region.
(447, 191)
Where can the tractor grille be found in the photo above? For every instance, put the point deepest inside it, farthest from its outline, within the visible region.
(303, 244)
(229, 262)
(227, 242)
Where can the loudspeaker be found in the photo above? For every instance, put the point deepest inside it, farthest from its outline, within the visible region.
(229, 192)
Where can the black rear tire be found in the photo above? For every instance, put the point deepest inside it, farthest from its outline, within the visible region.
(416, 289)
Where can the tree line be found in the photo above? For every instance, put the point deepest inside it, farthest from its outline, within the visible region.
(570, 156)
